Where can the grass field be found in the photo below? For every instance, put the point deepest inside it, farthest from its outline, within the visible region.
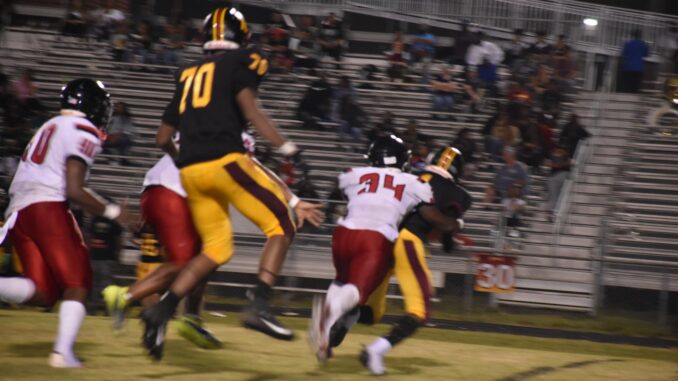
(26, 336)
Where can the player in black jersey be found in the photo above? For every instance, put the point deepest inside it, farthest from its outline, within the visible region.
(214, 99)
(409, 253)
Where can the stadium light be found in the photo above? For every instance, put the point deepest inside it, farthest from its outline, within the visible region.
(590, 22)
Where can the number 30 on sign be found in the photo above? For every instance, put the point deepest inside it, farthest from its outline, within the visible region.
(495, 274)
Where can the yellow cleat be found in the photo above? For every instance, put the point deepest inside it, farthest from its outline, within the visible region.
(116, 304)
(191, 329)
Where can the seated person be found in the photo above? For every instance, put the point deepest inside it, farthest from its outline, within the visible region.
(473, 91)
(512, 174)
(444, 88)
(514, 206)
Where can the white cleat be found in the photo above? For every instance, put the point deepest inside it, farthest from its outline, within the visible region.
(373, 361)
(317, 341)
(57, 360)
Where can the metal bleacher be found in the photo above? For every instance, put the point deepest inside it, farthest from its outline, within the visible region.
(556, 274)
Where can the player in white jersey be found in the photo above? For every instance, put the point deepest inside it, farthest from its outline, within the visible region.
(53, 171)
(379, 196)
(166, 212)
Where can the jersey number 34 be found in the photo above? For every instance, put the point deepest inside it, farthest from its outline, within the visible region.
(372, 180)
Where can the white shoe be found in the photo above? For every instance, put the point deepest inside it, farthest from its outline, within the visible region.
(319, 344)
(373, 361)
(57, 360)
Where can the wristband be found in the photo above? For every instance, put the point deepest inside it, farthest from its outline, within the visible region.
(288, 148)
(461, 223)
(112, 211)
(294, 201)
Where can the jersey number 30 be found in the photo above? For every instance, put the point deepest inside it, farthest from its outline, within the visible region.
(371, 181)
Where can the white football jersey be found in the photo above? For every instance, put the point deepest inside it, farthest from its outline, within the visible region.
(379, 198)
(41, 175)
(165, 173)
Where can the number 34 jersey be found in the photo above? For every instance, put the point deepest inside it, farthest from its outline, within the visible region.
(379, 198)
(41, 175)
(204, 107)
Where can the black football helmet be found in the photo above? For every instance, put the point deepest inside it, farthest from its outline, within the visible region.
(223, 28)
(89, 97)
(388, 151)
(449, 159)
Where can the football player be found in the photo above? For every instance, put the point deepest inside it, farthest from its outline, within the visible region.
(44, 233)
(214, 99)
(409, 255)
(166, 213)
(379, 196)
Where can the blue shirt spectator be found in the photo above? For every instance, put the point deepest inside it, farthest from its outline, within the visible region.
(634, 52)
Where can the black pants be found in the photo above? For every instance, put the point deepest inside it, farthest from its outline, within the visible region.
(632, 81)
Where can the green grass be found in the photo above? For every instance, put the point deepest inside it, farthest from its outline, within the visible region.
(26, 335)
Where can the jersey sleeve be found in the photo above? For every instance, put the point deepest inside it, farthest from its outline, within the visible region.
(251, 68)
(422, 192)
(84, 144)
(348, 178)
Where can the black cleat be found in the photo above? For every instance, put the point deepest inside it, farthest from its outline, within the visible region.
(153, 338)
(258, 316)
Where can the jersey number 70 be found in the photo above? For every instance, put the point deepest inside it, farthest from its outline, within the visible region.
(371, 181)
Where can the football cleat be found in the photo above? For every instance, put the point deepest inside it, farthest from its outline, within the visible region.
(153, 337)
(57, 360)
(373, 361)
(191, 329)
(116, 305)
(316, 331)
(258, 316)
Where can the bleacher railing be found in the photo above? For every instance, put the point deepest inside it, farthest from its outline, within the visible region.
(575, 19)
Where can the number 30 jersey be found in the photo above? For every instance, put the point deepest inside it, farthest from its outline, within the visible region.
(379, 198)
(41, 175)
(204, 107)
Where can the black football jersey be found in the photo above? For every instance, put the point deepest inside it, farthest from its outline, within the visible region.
(204, 107)
(451, 199)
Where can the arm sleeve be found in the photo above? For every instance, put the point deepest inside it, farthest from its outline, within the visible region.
(252, 67)
(84, 146)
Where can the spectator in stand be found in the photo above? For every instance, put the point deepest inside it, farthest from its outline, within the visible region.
(468, 147)
(413, 138)
(531, 149)
(560, 47)
(541, 49)
(633, 55)
(515, 49)
(352, 119)
(107, 19)
(559, 164)
(540, 80)
(316, 105)
(120, 132)
(120, 43)
(564, 70)
(74, 23)
(462, 41)
(502, 135)
(383, 128)
(489, 78)
(512, 174)
(104, 243)
(520, 98)
(473, 92)
(303, 45)
(514, 207)
(331, 37)
(546, 124)
(444, 89)
(143, 43)
(277, 42)
(482, 50)
(173, 43)
(422, 50)
(551, 98)
(28, 105)
(573, 133)
(396, 58)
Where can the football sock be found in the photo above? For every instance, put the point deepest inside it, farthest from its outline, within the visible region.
(380, 346)
(332, 291)
(16, 290)
(404, 328)
(71, 315)
(263, 291)
(168, 304)
(343, 301)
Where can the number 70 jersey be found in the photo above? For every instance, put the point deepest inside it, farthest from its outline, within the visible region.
(379, 198)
